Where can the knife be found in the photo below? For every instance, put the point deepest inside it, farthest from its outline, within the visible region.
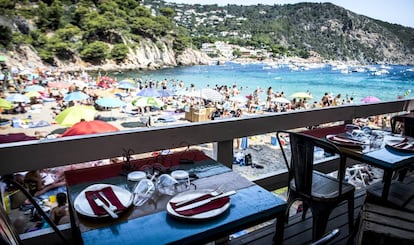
(101, 204)
(205, 201)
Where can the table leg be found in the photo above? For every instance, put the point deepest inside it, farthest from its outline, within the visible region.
(280, 229)
(387, 183)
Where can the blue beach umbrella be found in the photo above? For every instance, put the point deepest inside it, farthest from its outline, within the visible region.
(76, 96)
(17, 98)
(34, 88)
(149, 92)
(127, 85)
(110, 102)
(165, 93)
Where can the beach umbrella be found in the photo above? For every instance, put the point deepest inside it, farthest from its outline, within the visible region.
(128, 80)
(75, 114)
(148, 92)
(76, 96)
(302, 95)
(281, 100)
(110, 102)
(127, 85)
(34, 88)
(147, 101)
(166, 93)
(89, 127)
(32, 94)
(208, 94)
(5, 104)
(370, 99)
(17, 98)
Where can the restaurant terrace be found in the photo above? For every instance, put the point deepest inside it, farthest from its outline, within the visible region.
(51, 153)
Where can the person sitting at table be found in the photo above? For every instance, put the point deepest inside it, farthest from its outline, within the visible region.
(60, 214)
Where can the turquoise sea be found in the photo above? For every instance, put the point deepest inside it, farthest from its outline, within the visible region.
(394, 80)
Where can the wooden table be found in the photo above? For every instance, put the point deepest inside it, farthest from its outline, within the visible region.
(384, 158)
(151, 224)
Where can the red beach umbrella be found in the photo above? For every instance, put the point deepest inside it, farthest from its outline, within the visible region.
(90, 127)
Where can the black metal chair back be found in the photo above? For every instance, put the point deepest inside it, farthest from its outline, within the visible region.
(319, 192)
(403, 124)
(301, 163)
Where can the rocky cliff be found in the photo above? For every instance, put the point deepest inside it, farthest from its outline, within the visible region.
(147, 56)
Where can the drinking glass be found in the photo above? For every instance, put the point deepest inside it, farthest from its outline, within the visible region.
(183, 180)
(166, 184)
(143, 191)
(376, 140)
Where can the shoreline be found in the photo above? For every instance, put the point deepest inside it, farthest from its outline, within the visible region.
(31, 61)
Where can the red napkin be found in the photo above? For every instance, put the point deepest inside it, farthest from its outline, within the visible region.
(109, 194)
(403, 145)
(215, 204)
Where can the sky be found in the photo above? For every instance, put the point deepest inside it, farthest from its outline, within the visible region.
(393, 11)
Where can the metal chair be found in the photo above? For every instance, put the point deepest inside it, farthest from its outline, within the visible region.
(319, 192)
(403, 124)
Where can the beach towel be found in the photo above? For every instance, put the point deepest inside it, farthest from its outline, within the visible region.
(38, 124)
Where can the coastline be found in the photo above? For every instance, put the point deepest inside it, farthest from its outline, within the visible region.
(29, 60)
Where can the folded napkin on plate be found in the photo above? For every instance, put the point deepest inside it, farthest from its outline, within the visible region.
(404, 144)
(109, 194)
(215, 204)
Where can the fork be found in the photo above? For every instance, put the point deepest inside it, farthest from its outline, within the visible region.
(218, 191)
(111, 206)
(101, 204)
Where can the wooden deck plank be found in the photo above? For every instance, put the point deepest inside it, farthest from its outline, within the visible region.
(300, 232)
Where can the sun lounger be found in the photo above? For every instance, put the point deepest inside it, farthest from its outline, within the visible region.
(166, 119)
(129, 111)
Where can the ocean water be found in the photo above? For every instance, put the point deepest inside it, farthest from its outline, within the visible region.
(397, 80)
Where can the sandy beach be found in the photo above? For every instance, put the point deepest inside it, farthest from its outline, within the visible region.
(260, 147)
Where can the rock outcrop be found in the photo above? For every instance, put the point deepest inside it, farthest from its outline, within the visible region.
(148, 55)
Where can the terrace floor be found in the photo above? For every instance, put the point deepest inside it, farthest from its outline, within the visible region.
(298, 231)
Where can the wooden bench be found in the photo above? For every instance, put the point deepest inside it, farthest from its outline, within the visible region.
(381, 225)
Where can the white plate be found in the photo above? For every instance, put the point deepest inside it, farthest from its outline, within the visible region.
(194, 194)
(82, 205)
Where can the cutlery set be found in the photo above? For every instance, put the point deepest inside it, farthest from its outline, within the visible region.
(196, 204)
(102, 204)
(182, 205)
